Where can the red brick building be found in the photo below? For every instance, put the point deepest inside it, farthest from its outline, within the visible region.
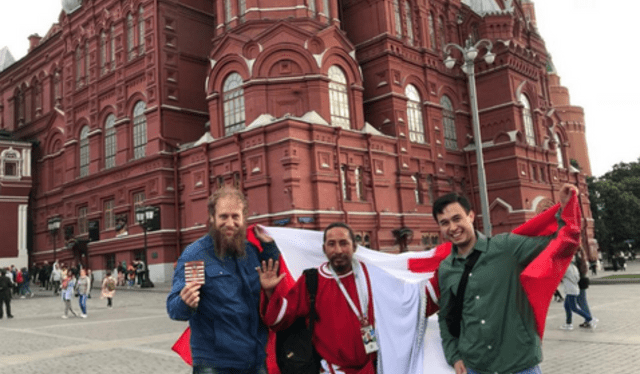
(320, 110)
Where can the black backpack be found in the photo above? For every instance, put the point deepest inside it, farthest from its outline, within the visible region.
(295, 353)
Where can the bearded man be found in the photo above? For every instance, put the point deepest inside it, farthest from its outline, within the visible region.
(227, 335)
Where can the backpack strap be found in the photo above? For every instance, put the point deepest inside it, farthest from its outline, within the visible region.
(311, 280)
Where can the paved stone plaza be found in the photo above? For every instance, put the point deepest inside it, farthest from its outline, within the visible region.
(136, 335)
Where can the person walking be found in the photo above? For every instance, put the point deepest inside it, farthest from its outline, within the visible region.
(56, 278)
(25, 288)
(583, 284)
(68, 288)
(572, 290)
(82, 289)
(5, 293)
(91, 280)
(108, 289)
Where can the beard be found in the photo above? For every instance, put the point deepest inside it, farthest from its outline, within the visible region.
(340, 263)
(228, 246)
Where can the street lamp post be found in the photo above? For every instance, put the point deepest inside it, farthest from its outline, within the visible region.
(469, 53)
(144, 215)
(54, 226)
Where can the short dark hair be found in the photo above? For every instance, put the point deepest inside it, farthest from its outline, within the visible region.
(339, 224)
(443, 201)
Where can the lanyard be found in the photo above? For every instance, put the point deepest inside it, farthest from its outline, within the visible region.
(361, 287)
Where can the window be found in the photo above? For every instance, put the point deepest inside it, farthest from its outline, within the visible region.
(407, 11)
(242, 9)
(396, 14)
(339, 98)
(103, 53)
(19, 107)
(130, 38)
(37, 98)
(312, 7)
(432, 32)
(10, 160)
(449, 124)
(83, 224)
(359, 184)
(527, 120)
(110, 261)
(78, 67)
(441, 33)
(139, 130)
(325, 9)
(112, 49)
(109, 217)
(556, 138)
(57, 92)
(343, 181)
(140, 31)
(233, 104)
(138, 200)
(227, 10)
(110, 142)
(414, 114)
(84, 151)
(86, 62)
(417, 190)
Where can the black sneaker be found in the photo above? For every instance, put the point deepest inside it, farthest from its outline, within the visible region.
(9, 316)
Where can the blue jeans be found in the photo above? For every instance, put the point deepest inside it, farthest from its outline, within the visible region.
(533, 370)
(582, 301)
(204, 369)
(570, 306)
(83, 303)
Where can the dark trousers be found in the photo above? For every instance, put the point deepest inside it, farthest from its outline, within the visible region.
(6, 300)
(140, 277)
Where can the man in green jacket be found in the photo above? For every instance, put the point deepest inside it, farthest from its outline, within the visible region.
(497, 330)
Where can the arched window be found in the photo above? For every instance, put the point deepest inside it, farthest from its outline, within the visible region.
(556, 138)
(414, 114)
(140, 31)
(409, 20)
(432, 32)
(527, 120)
(20, 107)
(37, 98)
(396, 14)
(130, 38)
(103, 53)
(449, 124)
(139, 130)
(339, 98)
(233, 104)
(57, 92)
(84, 151)
(110, 142)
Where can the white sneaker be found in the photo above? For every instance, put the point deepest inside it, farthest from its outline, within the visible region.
(83, 315)
(566, 326)
(23, 297)
(593, 323)
(64, 317)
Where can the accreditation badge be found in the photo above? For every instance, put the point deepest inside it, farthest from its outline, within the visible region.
(369, 339)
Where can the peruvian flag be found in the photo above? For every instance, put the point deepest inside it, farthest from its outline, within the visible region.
(405, 290)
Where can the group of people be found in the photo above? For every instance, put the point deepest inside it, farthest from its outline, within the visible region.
(67, 282)
(487, 328)
(127, 274)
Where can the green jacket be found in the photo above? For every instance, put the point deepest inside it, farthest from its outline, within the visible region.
(498, 331)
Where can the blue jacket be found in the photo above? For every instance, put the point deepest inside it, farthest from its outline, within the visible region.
(226, 329)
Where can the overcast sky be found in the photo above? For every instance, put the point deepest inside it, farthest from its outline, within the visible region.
(590, 41)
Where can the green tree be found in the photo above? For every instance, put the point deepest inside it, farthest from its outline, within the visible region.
(615, 206)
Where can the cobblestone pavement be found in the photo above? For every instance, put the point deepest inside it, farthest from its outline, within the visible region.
(136, 335)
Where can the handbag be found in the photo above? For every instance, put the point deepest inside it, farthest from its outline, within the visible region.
(295, 353)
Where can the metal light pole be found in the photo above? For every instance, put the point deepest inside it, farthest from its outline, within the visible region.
(144, 214)
(469, 53)
(54, 226)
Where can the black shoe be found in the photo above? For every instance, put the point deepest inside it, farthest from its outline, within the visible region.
(9, 316)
